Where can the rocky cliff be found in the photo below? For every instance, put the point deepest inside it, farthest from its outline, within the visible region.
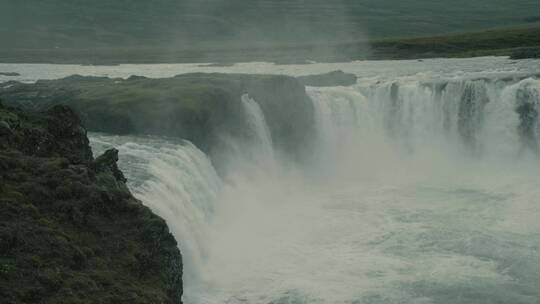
(70, 230)
(197, 107)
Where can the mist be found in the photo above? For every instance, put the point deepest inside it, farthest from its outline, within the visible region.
(421, 202)
(270, 151)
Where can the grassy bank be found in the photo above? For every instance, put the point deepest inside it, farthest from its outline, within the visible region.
(505, 42)
(517, 42)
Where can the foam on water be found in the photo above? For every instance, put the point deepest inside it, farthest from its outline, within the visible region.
(177, 181)
(424, 190)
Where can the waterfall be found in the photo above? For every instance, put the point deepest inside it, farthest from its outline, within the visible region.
(399, 196)
(340, 112)
(177, 181)
(478, 117)
(254, 151)
(258, 127)
(526, 98)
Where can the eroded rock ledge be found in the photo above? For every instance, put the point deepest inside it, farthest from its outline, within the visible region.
(70, 230)
(331, 79)
(197, 107)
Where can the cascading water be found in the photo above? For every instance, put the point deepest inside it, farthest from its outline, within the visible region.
(177, 181)
(425, 191)
(526, 95)
(257, 122)
(485, 117)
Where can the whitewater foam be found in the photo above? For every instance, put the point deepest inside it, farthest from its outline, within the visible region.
(425, 190)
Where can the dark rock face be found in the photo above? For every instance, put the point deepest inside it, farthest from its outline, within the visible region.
(58, 133)
(5, 129)
(108, 161)
(197, 107)
(332, 79)
(70, 230)
(288, 111)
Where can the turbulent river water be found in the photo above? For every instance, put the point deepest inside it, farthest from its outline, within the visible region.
(424, 187)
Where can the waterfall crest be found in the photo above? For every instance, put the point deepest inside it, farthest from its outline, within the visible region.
(260, 137)
(480, 117)
(401, 164)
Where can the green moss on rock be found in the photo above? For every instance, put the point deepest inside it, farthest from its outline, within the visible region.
(70, 231)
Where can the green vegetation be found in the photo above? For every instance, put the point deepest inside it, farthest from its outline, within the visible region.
(495, 42)
(137, 31)
(70, 231)
(524, 53)
(196, 107)
(516, 42)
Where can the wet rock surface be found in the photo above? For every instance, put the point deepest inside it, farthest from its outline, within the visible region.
(331, 79)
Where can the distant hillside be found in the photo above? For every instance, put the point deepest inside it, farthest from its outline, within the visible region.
(45, 24)
(519, 43)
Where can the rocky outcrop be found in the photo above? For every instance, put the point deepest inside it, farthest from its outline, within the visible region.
(331, 79)
(70, 230)
(197, 107)
(288, 111)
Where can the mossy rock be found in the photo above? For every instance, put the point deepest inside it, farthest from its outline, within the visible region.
(70, 230)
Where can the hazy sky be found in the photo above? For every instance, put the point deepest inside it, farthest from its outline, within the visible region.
(69, 23)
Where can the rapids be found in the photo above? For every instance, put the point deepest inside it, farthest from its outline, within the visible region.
(424, 188)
